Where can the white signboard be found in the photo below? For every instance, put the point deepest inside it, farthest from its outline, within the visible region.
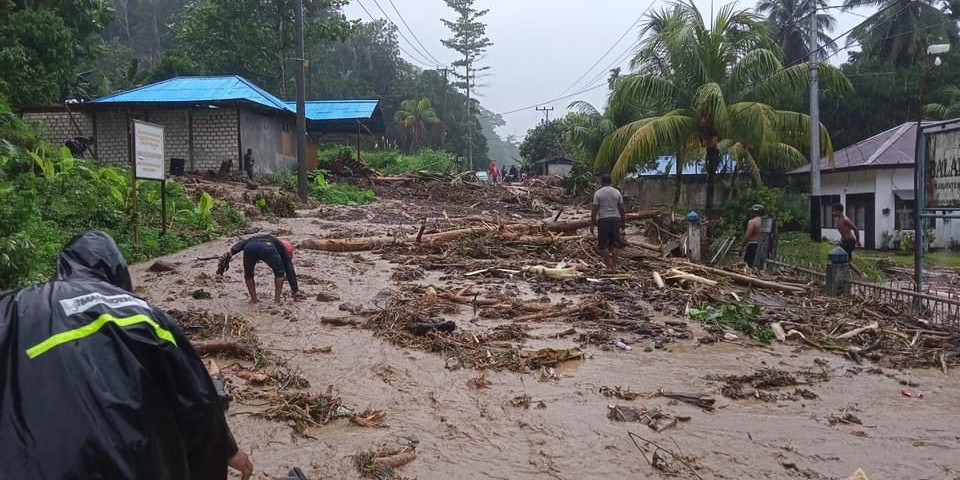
(148, 150)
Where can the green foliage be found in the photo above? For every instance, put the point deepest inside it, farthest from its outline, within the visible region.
(737, 316)
(339, 193)
(394, 162)
(416, 117)
(544, 141)
(54, 196)
(790, 211)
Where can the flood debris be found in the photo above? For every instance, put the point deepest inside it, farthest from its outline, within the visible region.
(301, 409)
(671, 462)
(765, 384)
(161, 266)
(619, 392)
(382, 463)
(655, 418)
(479, 383)
(701, 400)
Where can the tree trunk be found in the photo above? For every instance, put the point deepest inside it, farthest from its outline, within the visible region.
(156, 33)
(678, 189)
(712, 160)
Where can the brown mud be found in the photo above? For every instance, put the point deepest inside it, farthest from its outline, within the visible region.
(465, 426)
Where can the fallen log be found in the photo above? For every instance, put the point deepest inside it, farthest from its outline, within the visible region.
(339, 321)
(677, 274)
(747, 279)
(857, 331)
(372, 243)
(701, 400)
(394, 461)
(468, 300)
(657, 279)
(232, 348)
(547, 314)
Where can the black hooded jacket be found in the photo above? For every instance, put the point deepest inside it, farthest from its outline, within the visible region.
(95, 383)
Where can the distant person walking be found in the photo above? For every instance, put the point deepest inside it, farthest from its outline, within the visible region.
(610, 219)
(494, 172)
(514, 176)
(751, 238)
(248, 163)
(849, 234)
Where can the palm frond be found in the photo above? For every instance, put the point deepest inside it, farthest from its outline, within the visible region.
(659, 136)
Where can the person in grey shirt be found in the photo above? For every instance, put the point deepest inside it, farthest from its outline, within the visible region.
(610, 219)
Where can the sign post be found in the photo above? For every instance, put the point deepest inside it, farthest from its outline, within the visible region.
(938, 181)
(148, 163)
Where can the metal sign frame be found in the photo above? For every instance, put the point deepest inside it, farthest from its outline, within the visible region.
(135, 174)
(920, 194)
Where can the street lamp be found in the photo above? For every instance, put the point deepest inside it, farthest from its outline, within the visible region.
(918, 200)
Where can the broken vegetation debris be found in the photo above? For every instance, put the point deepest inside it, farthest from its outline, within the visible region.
(733, 316)
(669, 461)
(619, 392)
(765, 384)
(381, 464)
(655, 418)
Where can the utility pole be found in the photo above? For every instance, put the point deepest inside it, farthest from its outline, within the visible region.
(546, 111)
(301, 110)
(814, 126)
(469, 119)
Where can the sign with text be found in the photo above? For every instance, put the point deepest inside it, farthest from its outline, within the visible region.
(148, 150)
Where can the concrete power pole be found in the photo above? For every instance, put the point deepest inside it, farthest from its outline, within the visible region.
(301, 109)
(469, 120)
(546, 111)
(814, 125)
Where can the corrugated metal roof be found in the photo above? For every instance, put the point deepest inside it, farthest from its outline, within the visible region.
(323, 110)
(894, 147)
(198, 89)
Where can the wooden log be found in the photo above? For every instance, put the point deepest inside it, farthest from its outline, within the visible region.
(468, 300)
(677, 274)
(232, 348)
(658, 280)
(547, 314)
(395, 461)
(339, 321)
(748, 280)
(857, 331)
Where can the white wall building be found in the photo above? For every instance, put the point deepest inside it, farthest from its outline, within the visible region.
(873, 179)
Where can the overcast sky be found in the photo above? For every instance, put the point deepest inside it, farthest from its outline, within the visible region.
(540, 47)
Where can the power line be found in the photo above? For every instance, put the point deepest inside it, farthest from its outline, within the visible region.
(550, 101)
(619, 39)
(428, 52)
(410, 56)
(400, 31)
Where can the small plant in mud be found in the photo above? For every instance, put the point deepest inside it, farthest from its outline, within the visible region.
(339, 193)
(734, 316)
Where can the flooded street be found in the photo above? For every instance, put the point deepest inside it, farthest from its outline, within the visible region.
(469, 433)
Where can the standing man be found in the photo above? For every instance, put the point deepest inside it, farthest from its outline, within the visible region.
(610, 219)
(248, 163)
(849, 234)
(514, 176)
(276, 253)
(494, 172)
(751, 238)
(98, 383)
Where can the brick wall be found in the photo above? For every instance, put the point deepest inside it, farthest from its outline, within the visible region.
(214, 134)
(112, 146)
(57, 127)
(215, 138)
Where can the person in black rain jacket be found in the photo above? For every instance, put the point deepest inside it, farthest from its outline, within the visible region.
(276, 253)
(96, 383)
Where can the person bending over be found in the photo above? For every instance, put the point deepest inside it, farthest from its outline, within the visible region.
(276, 253)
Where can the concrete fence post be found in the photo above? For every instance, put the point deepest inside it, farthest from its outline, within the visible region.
(694, 237)
(838, 273)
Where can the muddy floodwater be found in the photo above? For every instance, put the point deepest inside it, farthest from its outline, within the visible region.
(467, 433)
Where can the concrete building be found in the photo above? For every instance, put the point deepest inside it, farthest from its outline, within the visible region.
(207, 121)
(873, 179)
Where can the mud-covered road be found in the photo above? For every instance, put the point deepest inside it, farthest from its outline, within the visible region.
(468, 433)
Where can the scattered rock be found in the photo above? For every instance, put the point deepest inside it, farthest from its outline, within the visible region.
(161, 266)
(327, 297)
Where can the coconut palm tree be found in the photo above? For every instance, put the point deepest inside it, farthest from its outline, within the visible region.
(901, 29)
(703, 90)
(416, 117)
(789, 21)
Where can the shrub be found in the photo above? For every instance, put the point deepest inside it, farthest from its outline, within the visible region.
(339, 193)
(790, 210)
(46, 197)
(394, 162)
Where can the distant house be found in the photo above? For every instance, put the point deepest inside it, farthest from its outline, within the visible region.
(559, 166)
(873, 179)
(207, 120)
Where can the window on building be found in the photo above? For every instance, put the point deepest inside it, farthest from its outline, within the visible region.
(856, 210)
(903, 204)
(826, 210)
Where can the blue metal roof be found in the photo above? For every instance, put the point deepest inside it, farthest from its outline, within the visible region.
(198, 89)
(325, 110)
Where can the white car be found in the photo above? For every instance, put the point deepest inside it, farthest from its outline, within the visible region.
(482, 176)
